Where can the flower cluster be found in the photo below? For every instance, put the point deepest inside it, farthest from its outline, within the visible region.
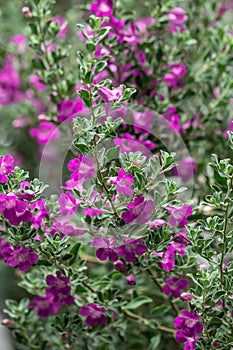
(189, 328)
(57, 294)
(16, 256)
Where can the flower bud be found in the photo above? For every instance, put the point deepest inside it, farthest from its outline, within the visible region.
(119, 265)
(8, 323)
(187, 296)
(131, 280)
(26, 11)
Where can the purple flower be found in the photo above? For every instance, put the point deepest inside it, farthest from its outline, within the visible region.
(94, 314)
(186, 168)
(92, 212)
(106, 248)
(189, 328)
(123, 182)
(180, 241)
(59, 288)
(68, 109)
(128, 143)
(5, 249)
(173, 118)
(20, 41)
(6, 167)
(179, 215)
(186, 296)
(45, 132)
(102, 8)
(176, 17)
(230, 128)
(65, 229)
(82, 168)
(68, 204)
(110, 95)
(174, 286)
(119, 265)
(22, 257)
(44, 305)
(143, 121)
(131, 280)
(157, 223)
(14, 210)
(132, 247)
(167, 258)
(172, 78)
(62, 25)
(10, 84)
(35, 81)
(138, 210)
(39, 212)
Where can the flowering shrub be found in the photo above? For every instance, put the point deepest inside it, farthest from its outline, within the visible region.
(130, 246)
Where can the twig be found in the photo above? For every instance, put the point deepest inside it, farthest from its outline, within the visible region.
(89, 287)
(145, 320)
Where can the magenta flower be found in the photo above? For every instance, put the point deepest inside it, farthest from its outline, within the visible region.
(68, 109)
(59, 288)
(189, 328)
(131, 280)
(186, 169)
(82, 168)
(230, 128)
(176, 17)
(128, 143)
(143, 121)
(5, 249)
(6, 167)
(173, 78)
(94, 314)
(174, 286)
(123, 183)
(20, 41)
(138, 210)
(180, 241)
(157, 223)
(65, 229)
(106, 248)
(167, 258)
(35, 81)
(110, 95)
(39, 212)
(186, 296)
(44, 306)
(23, 258)
(131, 248)
(14, 210)
(92, 212)
(173, 118)
(179, 215)
(45, 132)
(62, 25)
(102, 8)
(68, 204)
(10, 84)
(25, 192)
